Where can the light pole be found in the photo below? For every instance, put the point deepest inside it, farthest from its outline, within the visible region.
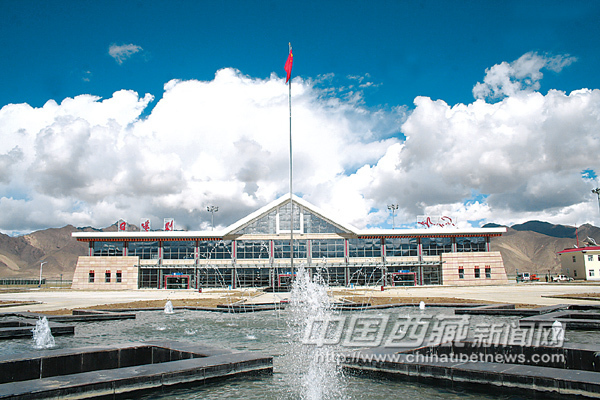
(597, 192)
(393, 208)
(41, 265)
(212, 210)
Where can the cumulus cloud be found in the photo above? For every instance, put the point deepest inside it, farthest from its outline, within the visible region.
(224, 142)
(91, 161)
(525, 153)
(524, 74)
(123, 52)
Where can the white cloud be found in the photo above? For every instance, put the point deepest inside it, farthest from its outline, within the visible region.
(92, 161)
(123, 52)
(523, 74)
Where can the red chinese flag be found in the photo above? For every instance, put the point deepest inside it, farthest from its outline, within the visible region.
(288, 65)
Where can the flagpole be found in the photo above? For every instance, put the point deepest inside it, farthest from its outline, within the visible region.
(288, 69)
(291, 178)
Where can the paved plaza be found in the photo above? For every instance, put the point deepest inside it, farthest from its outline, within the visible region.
(535, 294)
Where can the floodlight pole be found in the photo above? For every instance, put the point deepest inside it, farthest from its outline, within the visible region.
(41, 265)
(393, 208)
(212, 210)
(597, 192)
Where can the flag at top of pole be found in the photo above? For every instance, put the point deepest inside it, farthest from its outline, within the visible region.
(288, 65)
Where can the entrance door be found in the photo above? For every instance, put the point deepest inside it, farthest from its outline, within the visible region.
(404, 279)
(177, 281)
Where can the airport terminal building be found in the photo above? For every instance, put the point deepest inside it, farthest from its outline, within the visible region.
(255, 252)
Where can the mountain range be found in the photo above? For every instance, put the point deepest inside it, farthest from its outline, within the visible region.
(529, 247)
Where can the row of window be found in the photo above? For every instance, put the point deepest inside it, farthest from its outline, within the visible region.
(261, 249)
(590, 257)
(107, 276)
(476, 272)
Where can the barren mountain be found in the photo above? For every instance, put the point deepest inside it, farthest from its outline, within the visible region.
(529, 247)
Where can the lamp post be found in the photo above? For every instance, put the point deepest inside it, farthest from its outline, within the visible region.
(212, 210)
(597, 192)
(41, 265)
(393, 208)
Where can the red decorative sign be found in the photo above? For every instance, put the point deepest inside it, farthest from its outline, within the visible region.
(145, 225)
(444, 221)
(169, 224)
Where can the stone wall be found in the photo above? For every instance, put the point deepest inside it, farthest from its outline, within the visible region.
(127, 266)
(452, 263)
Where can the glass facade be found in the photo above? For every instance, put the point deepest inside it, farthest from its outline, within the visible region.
(148, 278)
(252, 277)
(401, 247)
(252, 249)
(470, 244)
(327, 248)
(285, 217)
(365, 276)
(281, 249)
(215, 249)
(364, 248)
(143, 250)
(179, 250)
(108, 249)
(436, 246)
(215, 277)
(314, 224)
(265, 225)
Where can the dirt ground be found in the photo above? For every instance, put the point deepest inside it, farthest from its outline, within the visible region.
(213, 302)
(376, 301)
(588, 296)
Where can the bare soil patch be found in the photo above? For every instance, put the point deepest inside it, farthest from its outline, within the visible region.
(582, 296)
(203, 302)
(382, 300)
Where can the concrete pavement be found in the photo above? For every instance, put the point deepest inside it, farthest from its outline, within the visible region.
(532, 293)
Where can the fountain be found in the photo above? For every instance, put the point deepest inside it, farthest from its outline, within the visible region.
(558, 332)
(42, 335)
(169, 307)
(310, 302)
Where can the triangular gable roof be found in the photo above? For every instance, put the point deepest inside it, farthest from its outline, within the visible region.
(283, 200)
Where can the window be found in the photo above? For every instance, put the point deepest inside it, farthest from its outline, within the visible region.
(488, 272)
(436, 246)
(590, 257)
(215, 249)
(252, 249)
(574, 259)
(281, 248)
(91, 277)
(364, 247)
(477, 272)
(327, 248)
(401, 247)
(144, 250)
(470, 244)
(574, 272)
(107, 277)
(119, 276)
(108, 249)
(461, 273)
(598, 257)
(285, 217)
(591, 272)
(179, 250)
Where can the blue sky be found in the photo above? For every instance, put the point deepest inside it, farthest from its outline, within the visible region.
(372, 72)
(439, 49)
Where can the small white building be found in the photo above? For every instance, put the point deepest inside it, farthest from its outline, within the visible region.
(581, 263)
